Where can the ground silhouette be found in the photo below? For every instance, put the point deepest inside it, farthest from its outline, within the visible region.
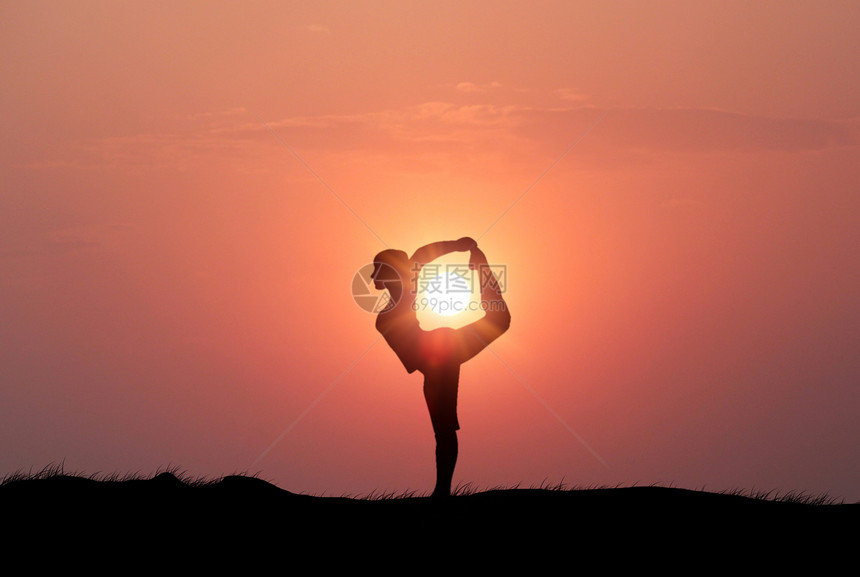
(539, 527)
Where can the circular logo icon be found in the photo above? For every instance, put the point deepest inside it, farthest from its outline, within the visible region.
(364, 292)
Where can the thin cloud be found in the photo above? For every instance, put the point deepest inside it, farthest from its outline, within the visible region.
(474, 87)
(686, 130)
(570, 95)
(447, 130)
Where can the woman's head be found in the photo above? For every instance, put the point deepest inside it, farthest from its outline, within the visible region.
(390, 266)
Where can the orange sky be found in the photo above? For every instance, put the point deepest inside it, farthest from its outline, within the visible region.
(188, 189)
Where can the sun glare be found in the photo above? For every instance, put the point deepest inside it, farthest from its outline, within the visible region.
(446, 294)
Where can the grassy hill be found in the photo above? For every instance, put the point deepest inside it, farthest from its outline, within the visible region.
(167, 512)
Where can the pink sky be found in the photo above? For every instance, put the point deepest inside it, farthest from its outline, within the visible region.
(188, 190)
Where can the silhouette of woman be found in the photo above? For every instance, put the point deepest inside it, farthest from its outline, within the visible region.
(438, 353)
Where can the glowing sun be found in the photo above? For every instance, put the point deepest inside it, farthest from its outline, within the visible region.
(446, 294)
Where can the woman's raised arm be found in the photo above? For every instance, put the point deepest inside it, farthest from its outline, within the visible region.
(430, 252)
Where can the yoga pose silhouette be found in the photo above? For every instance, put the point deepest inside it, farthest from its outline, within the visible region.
(438, 353)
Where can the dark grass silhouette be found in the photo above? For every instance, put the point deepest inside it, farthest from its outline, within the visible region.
(244, 513)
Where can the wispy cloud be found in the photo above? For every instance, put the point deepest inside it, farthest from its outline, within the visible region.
(451, 130)
(689, 130)
(475, 87)
(570, 95)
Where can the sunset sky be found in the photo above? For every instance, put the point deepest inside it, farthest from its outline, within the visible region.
(188, 188)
